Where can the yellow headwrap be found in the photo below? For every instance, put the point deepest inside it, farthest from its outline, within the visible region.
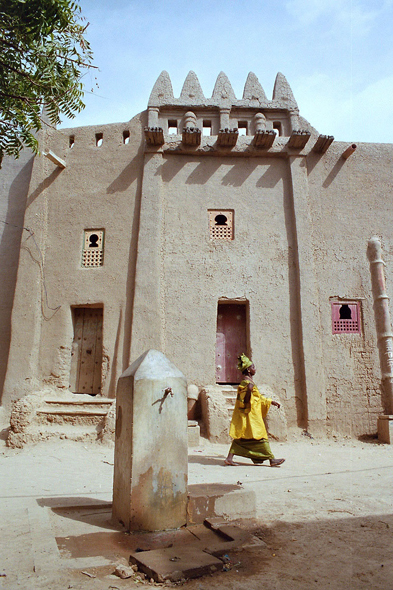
(243, 362)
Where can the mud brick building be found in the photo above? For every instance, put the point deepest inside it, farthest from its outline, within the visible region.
(202, 227)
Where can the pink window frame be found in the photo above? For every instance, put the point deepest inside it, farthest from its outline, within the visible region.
(346, 326)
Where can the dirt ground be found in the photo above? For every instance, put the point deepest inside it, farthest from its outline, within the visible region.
(325, 516)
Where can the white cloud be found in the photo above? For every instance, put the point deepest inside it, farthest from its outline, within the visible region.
(334, 107)
(359, 15)
(373, 111)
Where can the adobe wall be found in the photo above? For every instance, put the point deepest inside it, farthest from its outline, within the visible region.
(302, 221)
(301, 232)
(350, 202)
(99, 188)
(14, 183)
(195, 273)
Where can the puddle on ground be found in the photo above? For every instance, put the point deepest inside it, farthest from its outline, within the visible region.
(114, 544)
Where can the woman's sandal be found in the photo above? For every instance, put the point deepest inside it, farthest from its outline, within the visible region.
(231, 463)
(276, 462)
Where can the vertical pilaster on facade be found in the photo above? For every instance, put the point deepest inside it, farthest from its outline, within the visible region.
(191, 134)
(294, 120)
(146, 329)
(385, 429)
(310, 339)
(152, 116)
(382, 320)
(263, 138)
(29, 306)
(226, 136)
(259, 122)
(224, 118)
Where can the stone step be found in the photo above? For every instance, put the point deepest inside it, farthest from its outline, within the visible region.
(81, 402)
(71, 416)
(84, 411)
(72, 412)
(50, 431)
(230, 394)
(68, 429)
(75, 406)
(230, 399)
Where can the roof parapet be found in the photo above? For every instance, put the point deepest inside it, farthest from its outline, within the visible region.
(223, 91)
(282, 92)
(162, 92)
(223, 94)
(253, 91)
(192, 92)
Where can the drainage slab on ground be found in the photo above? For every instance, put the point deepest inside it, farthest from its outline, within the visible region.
(176, 563)
(188, 552)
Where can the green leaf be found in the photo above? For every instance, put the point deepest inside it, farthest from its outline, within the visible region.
(43, 57)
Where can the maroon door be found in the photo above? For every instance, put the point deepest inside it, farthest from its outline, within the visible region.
(231, 341)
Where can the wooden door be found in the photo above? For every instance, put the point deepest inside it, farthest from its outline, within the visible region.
(86, 355)
(231, 341)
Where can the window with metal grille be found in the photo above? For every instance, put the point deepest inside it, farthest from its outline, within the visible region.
(93, 248)
(221, 224)
(346, 318)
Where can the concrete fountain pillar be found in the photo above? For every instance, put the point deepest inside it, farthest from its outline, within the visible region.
(151, 446)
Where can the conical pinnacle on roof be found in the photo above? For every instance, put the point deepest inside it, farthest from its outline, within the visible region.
(223, 89)
(192, 91)
(253, 89)
(282, 91)
(162, 90)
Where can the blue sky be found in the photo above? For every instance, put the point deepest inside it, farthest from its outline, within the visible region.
(337, 56)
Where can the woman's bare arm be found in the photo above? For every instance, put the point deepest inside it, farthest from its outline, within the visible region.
(247, 397)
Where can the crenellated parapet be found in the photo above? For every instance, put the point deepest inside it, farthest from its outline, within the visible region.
(191, 116)
(223, 94)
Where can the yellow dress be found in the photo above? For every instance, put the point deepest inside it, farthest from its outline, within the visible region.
(247, 421)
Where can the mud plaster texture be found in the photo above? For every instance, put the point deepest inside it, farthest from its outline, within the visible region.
(303, 217)
(325, 516)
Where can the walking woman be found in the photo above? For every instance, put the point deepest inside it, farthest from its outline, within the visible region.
(248, 428)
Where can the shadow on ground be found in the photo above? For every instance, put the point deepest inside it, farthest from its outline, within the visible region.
(334, 554)
(206, 460)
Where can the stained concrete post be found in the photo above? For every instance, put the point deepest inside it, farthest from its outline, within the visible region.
(384, 334)
(151, 445)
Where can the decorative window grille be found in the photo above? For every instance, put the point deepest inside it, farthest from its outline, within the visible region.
(221, 224)
(93, 248)
(346, 317)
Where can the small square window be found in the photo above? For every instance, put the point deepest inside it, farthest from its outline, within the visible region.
(221, 224)
(242, 127)
(172, 127)
(277, 128)
(93, 248)
(346, 317)
(207, 127)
